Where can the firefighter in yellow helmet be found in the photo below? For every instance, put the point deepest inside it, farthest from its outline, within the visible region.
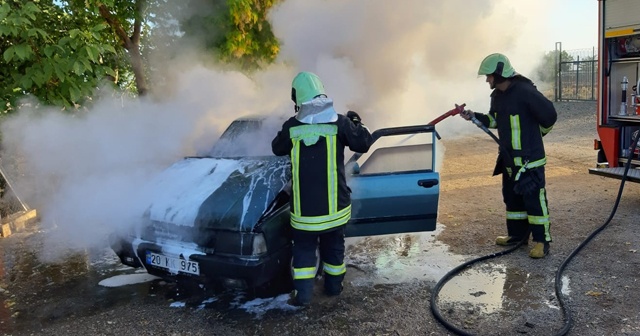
(315, 139)
(522, 116)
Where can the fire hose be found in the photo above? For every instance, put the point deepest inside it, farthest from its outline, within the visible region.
(558, 278)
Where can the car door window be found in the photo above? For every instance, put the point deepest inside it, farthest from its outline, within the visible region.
(397, 154)
(395, 187)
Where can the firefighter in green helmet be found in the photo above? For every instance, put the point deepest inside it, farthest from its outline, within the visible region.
(315, 139)
(522, 116)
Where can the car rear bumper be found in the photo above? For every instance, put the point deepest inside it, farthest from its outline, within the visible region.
(252, 272)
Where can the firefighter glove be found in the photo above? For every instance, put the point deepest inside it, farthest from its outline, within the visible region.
(354, 117)
(467, 114)
(530, 181)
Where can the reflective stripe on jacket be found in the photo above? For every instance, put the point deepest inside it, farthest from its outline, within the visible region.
(522, 115)
(320, 199)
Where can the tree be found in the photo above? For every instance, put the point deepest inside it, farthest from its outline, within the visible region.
(235, 31)
(548, 67)
(50, 54)
(60, 51)
(124, 17)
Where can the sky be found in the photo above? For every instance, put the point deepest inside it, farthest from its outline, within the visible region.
(395, 63)
(574, 23)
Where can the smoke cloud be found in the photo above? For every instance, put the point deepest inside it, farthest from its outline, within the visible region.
(396, 63)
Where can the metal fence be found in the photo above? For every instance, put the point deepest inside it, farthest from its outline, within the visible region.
(576, 74)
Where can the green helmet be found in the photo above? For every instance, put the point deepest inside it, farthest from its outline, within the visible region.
(306, 86)
(496, 64)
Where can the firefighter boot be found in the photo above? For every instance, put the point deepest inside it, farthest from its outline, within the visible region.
(507, 240)
(333, 284)
(294, 300)
(539, 250)
(517, 230)
(302, 293)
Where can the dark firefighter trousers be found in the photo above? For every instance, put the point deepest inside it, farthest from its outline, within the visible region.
(527, 214)
(305, 244)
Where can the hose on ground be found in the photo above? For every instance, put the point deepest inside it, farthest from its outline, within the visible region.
(558, 278)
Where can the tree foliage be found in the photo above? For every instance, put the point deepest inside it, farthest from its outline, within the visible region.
(126, 17)
(60, 51)
(548, 67)
(50, 53)
(236, 31)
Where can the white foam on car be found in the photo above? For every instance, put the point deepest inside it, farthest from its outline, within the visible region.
(263, 176)
(176, 250)
(180, 190)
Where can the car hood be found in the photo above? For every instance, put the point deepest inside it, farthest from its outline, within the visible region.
(218, 193)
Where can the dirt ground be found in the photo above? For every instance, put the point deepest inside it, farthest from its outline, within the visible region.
(602, 278)
(600, 282)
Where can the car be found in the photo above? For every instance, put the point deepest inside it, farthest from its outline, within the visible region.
(224, 217)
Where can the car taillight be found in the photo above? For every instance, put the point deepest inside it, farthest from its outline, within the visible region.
(259, 245)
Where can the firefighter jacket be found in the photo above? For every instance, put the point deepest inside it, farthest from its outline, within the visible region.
(522, 116)
(315, 139)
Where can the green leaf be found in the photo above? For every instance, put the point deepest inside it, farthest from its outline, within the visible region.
(109, 48)
(64, 41)
(4, 30)
(99, 27)
(73, 33)
(110, 72)
(8, 54)
(20, 51)
(74, 93)
(77, 68)
(59, 73)
(31, 16)
(31, 7)
(48, 71)
(23, 51)
(39, 79)
(42, 33)
(92, 52)
(87, 64)
(62, 100)
(26, 82)
(4, 11)
(48, 51)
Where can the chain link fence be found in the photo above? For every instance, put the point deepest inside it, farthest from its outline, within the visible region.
(576, 74)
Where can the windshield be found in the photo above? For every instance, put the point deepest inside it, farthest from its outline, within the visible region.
(247, 137)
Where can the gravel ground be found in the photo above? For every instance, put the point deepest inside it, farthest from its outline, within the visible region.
(601, 281)
(602, 278)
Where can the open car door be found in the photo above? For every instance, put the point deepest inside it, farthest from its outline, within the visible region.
(395, 187)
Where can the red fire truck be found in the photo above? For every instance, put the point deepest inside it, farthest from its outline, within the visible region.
(618, 111)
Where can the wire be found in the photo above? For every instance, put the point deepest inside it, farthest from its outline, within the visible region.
(558, 279)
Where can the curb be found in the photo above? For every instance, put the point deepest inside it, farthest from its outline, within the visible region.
(17, 222)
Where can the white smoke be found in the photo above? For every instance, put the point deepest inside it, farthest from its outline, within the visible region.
(409, 61)
(396, 63)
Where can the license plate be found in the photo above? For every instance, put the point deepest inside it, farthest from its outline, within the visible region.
(174, 265)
